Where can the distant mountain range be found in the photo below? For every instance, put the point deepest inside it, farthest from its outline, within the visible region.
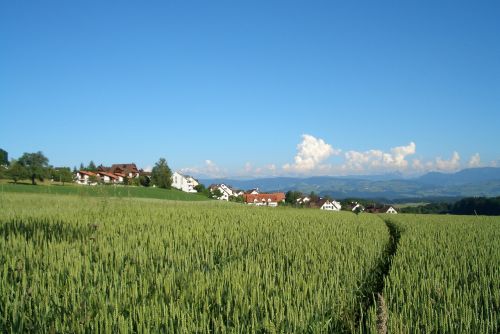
(483, 181)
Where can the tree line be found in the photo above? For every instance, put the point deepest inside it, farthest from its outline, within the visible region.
(35, 167)
(488, 206)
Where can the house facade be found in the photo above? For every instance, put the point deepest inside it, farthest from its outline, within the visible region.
(225, 191)
(303, 200)
(84, 177)
(129, 170)
(184, 183)
(115, 174)
(325, 204)
(391, 210)
(109, 178)
(358, 208)
(272, 199)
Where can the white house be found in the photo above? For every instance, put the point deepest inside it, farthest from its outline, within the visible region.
(336, 205)
(83, 177)
(325, 204)
(109, 178)
(254, 191)
(184, 183)
(358, 208)
(225, 190)
(391, 210)
(238, 192)
(303, 200)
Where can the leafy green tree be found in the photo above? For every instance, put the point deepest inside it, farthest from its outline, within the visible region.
(63, 175)
(216, 193)
(201, 189)
(17, 172)
(314, 197)
(82, 167)
(92, 167)
(4, 158)
(292, 196)
(161, 175)
(36, 164)
(144, 180)
(236, 199)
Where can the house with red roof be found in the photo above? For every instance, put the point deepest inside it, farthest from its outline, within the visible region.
(84, 177)
(107, 177)
(272, 199)
(127, 170)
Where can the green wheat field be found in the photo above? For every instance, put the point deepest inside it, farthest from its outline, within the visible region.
(80, 264)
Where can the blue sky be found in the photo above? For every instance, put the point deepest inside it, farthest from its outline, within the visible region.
(253, 88)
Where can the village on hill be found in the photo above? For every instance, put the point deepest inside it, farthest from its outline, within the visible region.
(124, 173)
(128, 174)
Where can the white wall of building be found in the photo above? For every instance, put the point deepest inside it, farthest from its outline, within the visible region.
(184, 183)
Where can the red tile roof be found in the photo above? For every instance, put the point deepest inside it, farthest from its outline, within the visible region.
(125, 168)
(84, 172)
(274, 197)
(113, 176)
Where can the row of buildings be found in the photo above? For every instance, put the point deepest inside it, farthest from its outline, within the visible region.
(117, 173)
(254, 197)
(224, 192)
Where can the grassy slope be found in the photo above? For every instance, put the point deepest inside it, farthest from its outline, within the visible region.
(102, 191)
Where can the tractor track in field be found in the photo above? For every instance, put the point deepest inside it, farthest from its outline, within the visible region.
(374, 286)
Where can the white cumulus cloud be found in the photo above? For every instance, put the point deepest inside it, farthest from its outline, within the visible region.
(377, 159)
(448, 165)
(311, 151)
(208, 169)
(474, 161)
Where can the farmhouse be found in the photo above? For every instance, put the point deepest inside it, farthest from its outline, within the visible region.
(264, 199)
(226, 191)
(184, 183)
(325, 204)
(116, 174)
(109, 178)
(129, 170)
(83, 177)
(391, 210)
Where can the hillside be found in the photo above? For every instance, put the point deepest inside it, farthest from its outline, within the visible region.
(103, 191)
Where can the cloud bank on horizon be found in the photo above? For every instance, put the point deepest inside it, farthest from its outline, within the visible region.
(312, 159)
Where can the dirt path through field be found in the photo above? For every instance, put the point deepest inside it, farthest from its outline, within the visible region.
(372, 291)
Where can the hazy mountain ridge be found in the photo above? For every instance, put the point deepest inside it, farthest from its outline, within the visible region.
(483, 181)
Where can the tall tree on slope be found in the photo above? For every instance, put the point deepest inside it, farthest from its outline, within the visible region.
(161, 175)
